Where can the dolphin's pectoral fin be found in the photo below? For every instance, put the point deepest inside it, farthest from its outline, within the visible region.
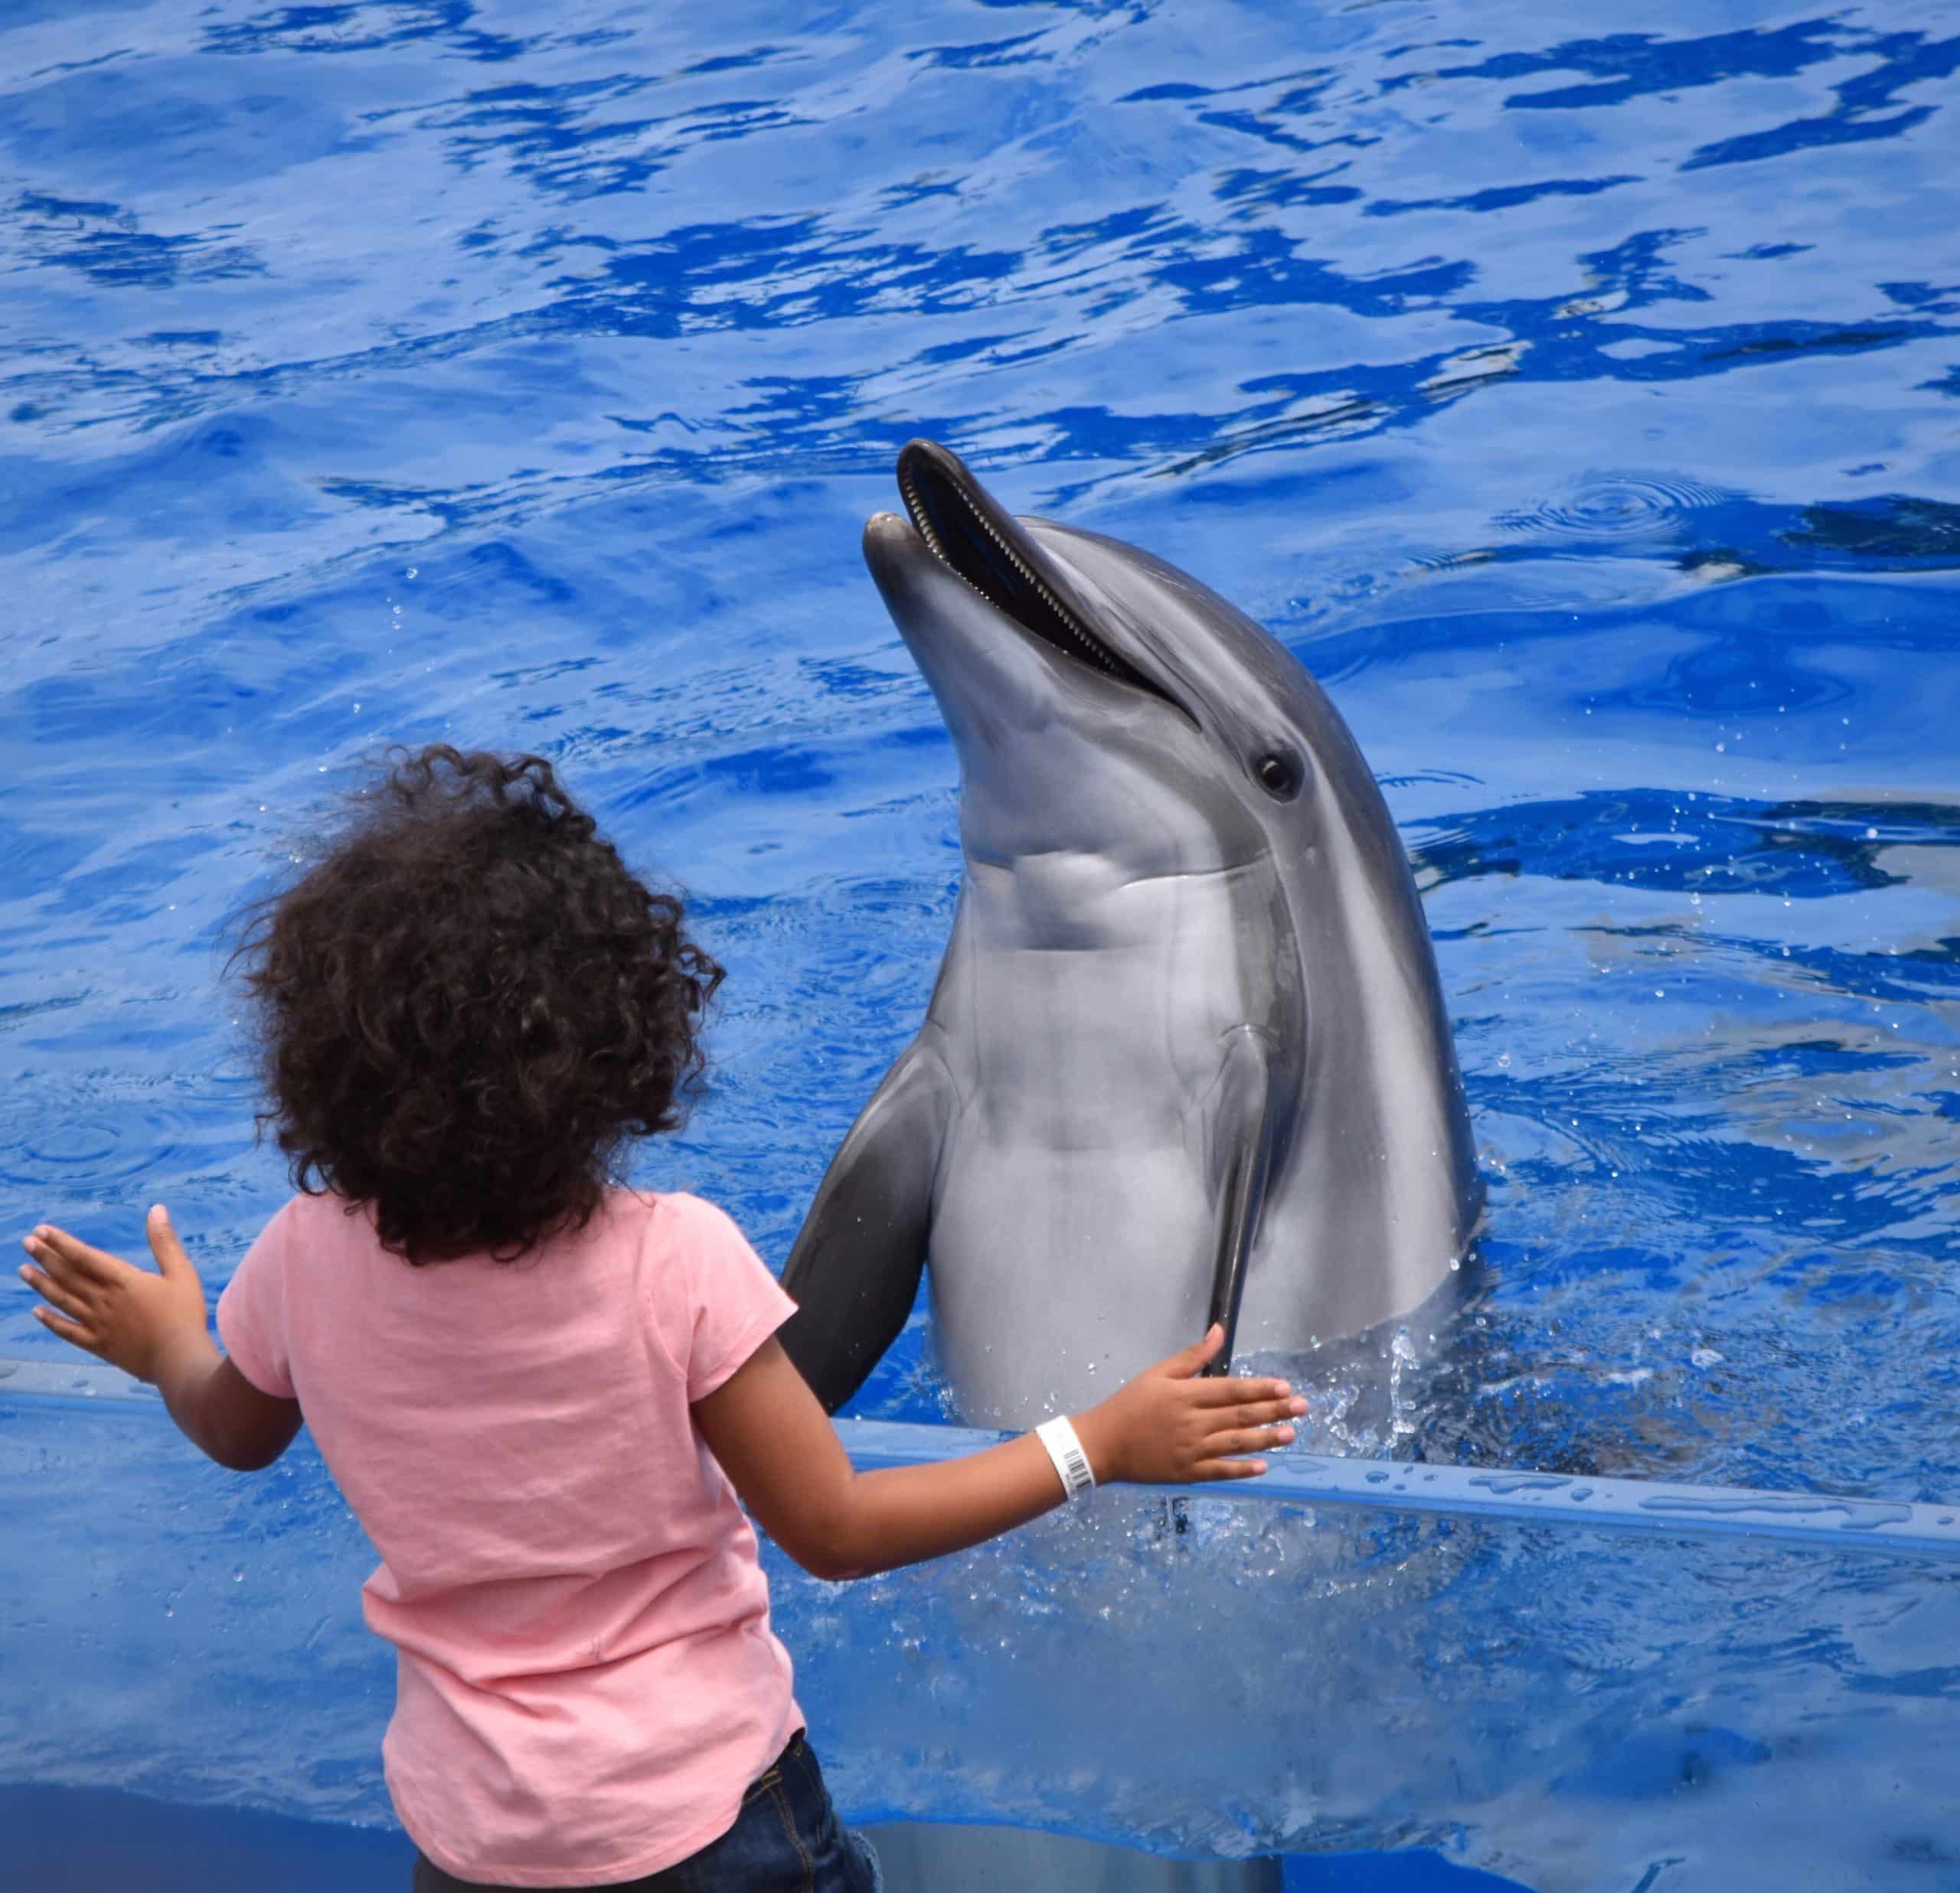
(854, 1270)
(1241, 1158)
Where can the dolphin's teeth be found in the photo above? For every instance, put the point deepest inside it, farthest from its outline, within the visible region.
(1089, 649)
(923, 520)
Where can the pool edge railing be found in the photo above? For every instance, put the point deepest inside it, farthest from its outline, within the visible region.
(1301, 1477)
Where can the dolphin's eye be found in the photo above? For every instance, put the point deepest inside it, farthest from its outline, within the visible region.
(1280, 774)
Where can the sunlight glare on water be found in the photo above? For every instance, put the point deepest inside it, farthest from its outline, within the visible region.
(1579, 398)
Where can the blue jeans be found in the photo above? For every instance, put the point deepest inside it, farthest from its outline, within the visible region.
(787, 1839)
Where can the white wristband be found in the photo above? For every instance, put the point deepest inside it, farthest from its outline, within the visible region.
(1071, 1462)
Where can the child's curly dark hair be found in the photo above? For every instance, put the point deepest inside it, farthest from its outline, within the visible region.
(469, 1005)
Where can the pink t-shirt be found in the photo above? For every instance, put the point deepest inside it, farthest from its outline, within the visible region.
(586, 1681)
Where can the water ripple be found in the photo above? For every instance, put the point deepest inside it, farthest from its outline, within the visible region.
(1617, 506)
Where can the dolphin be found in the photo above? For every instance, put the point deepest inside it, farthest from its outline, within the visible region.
(1187, 1058)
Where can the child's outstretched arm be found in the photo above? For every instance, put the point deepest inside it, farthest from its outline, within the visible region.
(153, 1326)
(774, 1441)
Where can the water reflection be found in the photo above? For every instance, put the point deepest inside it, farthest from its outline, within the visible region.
(1690, 840)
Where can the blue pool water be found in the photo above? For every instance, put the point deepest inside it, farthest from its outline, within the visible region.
(1578, 395)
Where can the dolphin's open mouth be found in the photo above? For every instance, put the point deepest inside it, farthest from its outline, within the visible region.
(965, 530)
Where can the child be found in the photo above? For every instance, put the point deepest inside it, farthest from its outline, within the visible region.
(543, 1395)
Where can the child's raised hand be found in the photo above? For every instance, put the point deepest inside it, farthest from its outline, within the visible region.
(123, 1314)
(1169, 1426)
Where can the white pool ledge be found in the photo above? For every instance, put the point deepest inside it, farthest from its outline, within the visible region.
(1654, 1507)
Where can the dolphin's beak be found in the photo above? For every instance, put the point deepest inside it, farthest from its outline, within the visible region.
(967, 530)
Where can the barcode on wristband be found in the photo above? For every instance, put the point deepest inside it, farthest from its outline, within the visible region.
(1071, 1462)
(1075, 1467)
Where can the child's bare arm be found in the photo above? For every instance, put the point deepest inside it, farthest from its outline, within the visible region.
(153, 1326)
(777, 1444)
